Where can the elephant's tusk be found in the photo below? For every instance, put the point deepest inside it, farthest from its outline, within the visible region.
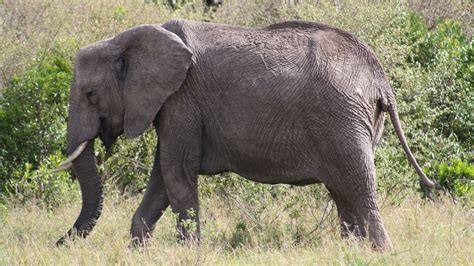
(76, 153)
(67, 164)
(63, 167)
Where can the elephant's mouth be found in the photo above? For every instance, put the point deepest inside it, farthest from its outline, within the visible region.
(107, 139)
(107, 135)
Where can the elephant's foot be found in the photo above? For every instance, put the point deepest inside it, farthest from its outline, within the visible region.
(140, 232)
(368, 225)
(188, 231)
(377, 233)
(371, 229)
(362, 219)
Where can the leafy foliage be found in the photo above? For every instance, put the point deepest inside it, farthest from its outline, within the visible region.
(41, 185)
(457, 178)
(447, 58)
(33, 112)
(432, 81)
(128, 168)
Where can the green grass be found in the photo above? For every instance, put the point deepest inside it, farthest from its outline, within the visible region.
(422, 233)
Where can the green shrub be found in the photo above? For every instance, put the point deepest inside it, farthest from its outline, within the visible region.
(456, 178)
(426, 45)
(240, 236)
(33, 112)
(41, 185)
(433, 84)
(128, 168)
(120, 13)
(446, 56)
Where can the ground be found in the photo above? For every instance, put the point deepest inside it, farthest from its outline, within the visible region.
(422, 233)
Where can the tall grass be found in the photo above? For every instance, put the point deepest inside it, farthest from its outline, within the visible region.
(422, 234)
(27, 25)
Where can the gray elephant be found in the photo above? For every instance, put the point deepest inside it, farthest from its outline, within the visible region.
(294, 103)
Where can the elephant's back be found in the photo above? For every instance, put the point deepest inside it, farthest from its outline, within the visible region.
(288, 50)
(283, 70)
(340, 57)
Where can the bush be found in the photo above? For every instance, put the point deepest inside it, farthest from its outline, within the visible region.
(446, 57)
(432, 82)
(41, 185)
(456, 178)
(129, 166)
(33, 112)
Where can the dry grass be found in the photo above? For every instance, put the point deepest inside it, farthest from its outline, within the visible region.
(434, 10)
(422, 233)
(28, 25)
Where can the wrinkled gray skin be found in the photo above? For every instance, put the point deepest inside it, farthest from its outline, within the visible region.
(294, 103)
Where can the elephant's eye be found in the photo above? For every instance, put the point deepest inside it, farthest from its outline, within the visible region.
(90, 94)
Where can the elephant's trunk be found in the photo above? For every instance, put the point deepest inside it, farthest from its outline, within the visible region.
(91, 188)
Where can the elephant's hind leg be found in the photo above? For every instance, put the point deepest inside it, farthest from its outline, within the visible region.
(359, 215)
(346, 216)
(152, 206)
(371, 225)
(353, 188)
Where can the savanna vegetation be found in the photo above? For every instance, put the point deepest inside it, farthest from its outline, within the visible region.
(427, 53)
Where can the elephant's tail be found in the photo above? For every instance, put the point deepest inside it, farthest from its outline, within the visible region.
(390, 106)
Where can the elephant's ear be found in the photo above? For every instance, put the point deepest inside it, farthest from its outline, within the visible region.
(152, 64)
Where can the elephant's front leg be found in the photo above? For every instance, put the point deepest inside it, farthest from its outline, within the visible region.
(153, 204)
(180, 176)
(184, 202)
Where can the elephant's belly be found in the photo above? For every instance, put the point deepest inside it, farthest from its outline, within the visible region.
(292, 167)
(281, 179)
(267, 147)
(273, 174)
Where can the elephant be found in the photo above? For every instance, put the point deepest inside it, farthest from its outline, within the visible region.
(293, 103)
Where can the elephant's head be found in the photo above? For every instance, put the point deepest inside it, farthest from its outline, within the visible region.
(119, 86)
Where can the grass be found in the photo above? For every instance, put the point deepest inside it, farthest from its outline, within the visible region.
(27, 26)
(422, 233)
